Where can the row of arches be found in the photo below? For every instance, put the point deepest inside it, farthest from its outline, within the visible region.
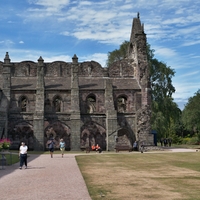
(91, 104)
(91, 133)
(120, 103)
(55, 104)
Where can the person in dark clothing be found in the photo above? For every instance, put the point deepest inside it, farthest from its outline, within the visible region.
(51, 144)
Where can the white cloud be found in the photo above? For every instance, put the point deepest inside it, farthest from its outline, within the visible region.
(101, 58)
(51, 3)
(21, 42)
(190, 43)
(189, 74)
(6, 43)
(165, 52)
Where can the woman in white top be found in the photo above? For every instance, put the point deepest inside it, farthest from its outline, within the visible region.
(23, 155)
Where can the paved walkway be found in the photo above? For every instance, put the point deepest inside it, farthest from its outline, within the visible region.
(46, 178)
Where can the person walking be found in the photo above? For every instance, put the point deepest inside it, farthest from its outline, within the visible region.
(135, 146)
(51, 144)
(23, 155)
(62, 146)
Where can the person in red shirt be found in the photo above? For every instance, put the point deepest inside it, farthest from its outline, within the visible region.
(98, 148)
(93, 147)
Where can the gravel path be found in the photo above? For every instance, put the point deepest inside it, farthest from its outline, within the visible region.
(46, 178)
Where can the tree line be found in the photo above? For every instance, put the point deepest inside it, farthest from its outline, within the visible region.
(167, 119)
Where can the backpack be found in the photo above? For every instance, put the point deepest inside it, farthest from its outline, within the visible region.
(51, 145)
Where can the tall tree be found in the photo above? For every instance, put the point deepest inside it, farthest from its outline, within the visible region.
(191, 114)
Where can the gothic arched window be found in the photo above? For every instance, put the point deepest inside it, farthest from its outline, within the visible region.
(121, 104)
(23, 104)
(57, 104)
(91, 103)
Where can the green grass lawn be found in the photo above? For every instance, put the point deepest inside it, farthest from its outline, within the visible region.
(165, 176)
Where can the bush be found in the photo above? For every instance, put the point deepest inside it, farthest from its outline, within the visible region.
(177, 139)
(190, 140)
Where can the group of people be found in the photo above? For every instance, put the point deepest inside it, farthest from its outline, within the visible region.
(166, 142)
(96, 148)
(51, 144)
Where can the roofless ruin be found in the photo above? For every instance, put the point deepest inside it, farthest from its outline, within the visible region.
(81, 102)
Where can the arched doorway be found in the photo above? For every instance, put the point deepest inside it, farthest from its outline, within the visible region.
(92, 134)
(124, 137)
(57, 130)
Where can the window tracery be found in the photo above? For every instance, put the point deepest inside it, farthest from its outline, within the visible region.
(121, 104)
(91, 104)
(23, 104)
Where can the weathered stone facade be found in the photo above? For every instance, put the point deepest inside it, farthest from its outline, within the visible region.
(81, 102)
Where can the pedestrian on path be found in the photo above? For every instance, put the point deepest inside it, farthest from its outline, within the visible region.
(51, 144)
(62, 146)
(23, 155)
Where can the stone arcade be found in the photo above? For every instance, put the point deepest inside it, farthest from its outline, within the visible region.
(81, 102)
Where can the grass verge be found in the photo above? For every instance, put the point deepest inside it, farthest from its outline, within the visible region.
(166, 176)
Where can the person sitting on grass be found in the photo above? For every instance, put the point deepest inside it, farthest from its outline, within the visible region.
(93, 147)
(98, 148)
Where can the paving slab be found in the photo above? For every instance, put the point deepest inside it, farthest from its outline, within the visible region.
(45, 178)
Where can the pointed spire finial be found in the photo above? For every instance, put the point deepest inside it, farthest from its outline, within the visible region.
(7, 58)
(40, 60)
(138, 15)
(75, 59)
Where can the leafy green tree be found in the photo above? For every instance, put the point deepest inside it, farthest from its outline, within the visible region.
(118, 54)
(191, 115)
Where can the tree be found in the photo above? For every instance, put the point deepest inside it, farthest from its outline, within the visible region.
(118, 54)
(165, 111)
(191, 114)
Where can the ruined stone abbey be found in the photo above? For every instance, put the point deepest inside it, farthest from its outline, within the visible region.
(81, 102)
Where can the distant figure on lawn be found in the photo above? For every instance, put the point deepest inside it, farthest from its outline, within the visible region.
(93, 147)
(98, 148)
(135, 146)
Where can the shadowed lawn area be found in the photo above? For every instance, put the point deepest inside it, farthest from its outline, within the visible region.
(125, 176)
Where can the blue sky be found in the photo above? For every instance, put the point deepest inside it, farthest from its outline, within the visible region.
(56, 30)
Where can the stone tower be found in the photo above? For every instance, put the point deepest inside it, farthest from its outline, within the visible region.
(138, 55)
(5, 95)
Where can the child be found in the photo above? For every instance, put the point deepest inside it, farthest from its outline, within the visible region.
(62, 146)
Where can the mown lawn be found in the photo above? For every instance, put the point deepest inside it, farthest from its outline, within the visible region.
(121, 176)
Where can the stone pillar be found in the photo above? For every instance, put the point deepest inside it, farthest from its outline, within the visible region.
(111, 115)
(75, 107)
(5, 102)
(38, 119)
